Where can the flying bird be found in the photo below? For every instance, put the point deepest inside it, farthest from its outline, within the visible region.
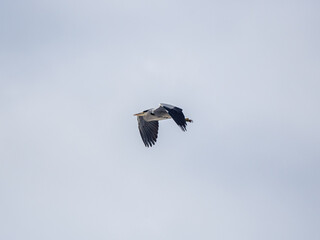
(148, 121)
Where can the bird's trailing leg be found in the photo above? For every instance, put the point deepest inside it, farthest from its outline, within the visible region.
(189, 120)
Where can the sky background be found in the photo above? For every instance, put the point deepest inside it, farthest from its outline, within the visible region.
(72, 163)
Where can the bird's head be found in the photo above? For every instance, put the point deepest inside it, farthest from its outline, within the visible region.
(141, 114)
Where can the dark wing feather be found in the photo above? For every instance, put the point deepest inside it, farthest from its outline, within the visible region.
(177, 115)
(148, 131)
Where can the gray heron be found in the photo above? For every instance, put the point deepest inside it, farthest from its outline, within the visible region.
(148, 121)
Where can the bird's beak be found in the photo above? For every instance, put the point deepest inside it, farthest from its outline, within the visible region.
(139, 114)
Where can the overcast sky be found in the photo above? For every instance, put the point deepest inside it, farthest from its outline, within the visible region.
(72, 163)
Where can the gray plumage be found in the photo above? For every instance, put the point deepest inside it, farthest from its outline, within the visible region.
(148, 121)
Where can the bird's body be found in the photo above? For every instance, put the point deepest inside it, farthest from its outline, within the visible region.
(156, 114)
(148, 121)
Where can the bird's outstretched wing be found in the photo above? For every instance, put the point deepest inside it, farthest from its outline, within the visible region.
(176, 114)
(148, 131)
